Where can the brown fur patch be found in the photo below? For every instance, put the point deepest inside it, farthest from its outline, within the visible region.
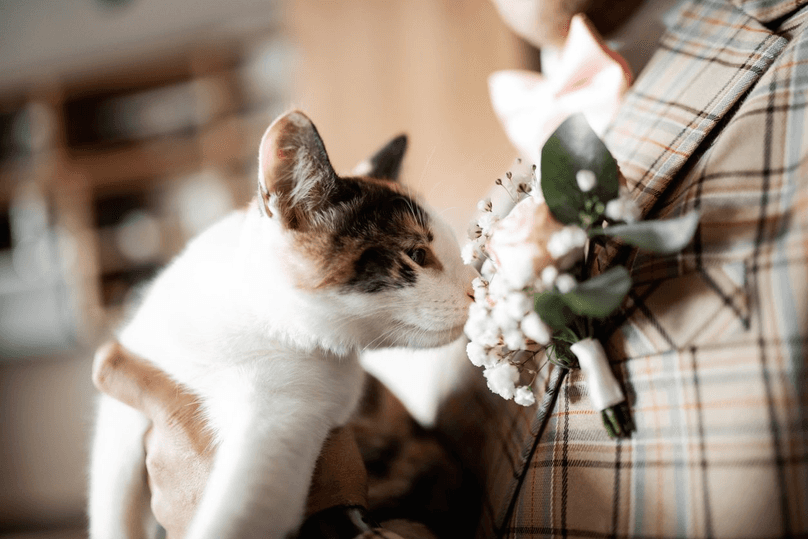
(412, 479)
(366, 231)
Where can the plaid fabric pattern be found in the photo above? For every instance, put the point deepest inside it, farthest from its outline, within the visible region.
(712, 343)
(767, 11)
(488, 435)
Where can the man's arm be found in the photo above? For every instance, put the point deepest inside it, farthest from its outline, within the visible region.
(179, 455)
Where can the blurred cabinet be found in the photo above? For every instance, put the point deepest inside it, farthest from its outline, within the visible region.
(103, 178)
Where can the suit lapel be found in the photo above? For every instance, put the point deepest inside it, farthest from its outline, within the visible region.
(767, 11)
(706, 63)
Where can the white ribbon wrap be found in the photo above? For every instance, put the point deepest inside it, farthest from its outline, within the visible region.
(604, 390)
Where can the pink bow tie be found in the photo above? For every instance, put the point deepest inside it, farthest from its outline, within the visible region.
(589, 78)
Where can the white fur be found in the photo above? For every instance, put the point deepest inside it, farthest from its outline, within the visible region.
(276, 367)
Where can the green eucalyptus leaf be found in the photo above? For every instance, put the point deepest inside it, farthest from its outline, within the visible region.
(552, 309)
(664, 237)
(571, 148)
(599, 296)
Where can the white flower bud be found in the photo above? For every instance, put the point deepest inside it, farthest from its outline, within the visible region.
(477, 353)
(469, 253)
(477, 322)
(484, 205)
(623, 208)
(565, 282)
(473, 328)
(495, 355)
(524, 396)
(518, 304)
(535, 329)
(549, 275)
(498, 288)
(502, 317)
(502, 379)
(478, 310)
(565, 240)
(480, 288)
(514, 339)
(489, 338)
(586, 180)
(486, 222)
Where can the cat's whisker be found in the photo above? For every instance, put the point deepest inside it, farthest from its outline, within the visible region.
(444, 210)
(426, 166)
(434, 186)
(384, 335)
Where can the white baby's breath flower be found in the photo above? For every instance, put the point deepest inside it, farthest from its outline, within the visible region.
(495, 355)
(502, 317)
(548, 276)
(502, 379)
(477, 353)
(522, 171)
(486, 222)
(485, 205)
(479, 282)
(524, 396)
(474, 231)
(514, 339)
(623, 208)
(488, 270)
(586, 180)
(535, 329)
(469, 253)
(489, 338)
(566, 240)
(498, 288)
(518, 304)
(478, 311)
(519, 271)
(480, 288)
(565, 282)
(477, 322)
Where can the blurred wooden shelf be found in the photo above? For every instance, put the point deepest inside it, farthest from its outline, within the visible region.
(141, 162)
(112, 143)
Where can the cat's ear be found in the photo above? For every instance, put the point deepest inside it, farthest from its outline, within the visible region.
(386, 163)
(295, 176)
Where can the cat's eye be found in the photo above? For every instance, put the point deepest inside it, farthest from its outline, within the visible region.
(417, 255)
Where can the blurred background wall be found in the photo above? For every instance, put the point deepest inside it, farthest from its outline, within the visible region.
(126, 126)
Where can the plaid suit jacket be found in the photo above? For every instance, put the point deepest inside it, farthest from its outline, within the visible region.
(712, 343)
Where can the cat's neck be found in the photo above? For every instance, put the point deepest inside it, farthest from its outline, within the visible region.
(212, 301)
(295, 318)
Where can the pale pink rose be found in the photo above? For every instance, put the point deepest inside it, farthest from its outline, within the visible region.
(518, 244)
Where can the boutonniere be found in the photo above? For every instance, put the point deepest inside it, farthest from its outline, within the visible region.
(536, 301)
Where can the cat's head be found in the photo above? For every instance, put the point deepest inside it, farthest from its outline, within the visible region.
(369, 264)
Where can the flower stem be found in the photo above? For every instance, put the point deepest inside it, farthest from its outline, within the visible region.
(617, 420)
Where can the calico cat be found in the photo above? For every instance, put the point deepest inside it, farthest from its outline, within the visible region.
(263, 316)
